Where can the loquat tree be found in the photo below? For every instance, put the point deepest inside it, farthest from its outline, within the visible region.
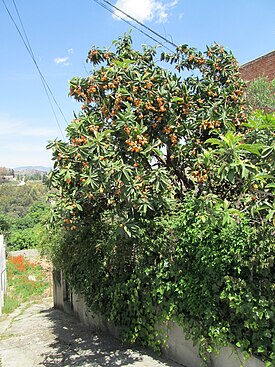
(145, 134)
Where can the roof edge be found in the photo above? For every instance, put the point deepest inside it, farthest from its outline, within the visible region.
(257, 59)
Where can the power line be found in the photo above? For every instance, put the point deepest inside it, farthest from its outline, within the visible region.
(126, 21)
(132, 25)
(23, 28)
(41, 76)
(143, 25)
(29, 49)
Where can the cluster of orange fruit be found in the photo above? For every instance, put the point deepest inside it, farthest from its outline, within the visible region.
(127, 129)
(92, 89)
(104, 110)
(200, 61)
(160, 102)
(148, 84)
(69, 224)
(168, 131)
(149, 106)
(79, 141)
(111, 84)
(173, 139)
(200, 176)
(136, 146)
(207, 124)
(93, 128)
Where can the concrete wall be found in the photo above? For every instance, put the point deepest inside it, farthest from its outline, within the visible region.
(179, 349)
(74, 304)
(183, 351)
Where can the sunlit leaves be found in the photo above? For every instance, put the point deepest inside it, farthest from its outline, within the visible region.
(146, 137)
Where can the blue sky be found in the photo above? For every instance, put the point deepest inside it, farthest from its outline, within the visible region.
(62, 31)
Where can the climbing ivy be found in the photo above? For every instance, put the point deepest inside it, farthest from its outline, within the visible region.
(214, 278)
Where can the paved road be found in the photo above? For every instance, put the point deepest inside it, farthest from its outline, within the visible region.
(38, 335)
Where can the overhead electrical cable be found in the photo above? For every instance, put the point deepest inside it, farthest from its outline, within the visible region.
(46, 87)
(134, 26)
(23, 28)
(140, 23)
(29, 49)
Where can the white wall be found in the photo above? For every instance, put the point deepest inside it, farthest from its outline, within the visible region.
(3, 275)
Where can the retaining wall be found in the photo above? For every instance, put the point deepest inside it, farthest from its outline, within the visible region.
(179, 348)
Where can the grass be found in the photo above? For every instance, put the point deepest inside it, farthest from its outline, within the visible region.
(26, 279)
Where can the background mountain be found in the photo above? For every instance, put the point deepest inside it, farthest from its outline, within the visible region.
(32, 169)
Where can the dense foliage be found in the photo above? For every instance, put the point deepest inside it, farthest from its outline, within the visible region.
(23, 212)
(261, 94)
(166, 193)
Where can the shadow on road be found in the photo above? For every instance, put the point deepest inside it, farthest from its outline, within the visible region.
(76, 345)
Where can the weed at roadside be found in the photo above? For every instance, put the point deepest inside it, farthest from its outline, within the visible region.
(26, 280)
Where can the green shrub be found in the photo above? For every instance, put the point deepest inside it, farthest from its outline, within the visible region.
(215, 278)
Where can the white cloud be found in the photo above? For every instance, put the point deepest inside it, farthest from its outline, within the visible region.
(144, 10)
(62, 60)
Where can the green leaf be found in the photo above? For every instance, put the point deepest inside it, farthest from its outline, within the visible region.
(252, 148)
(214, 141)
(177, 99)
(79, 207)
(231, 176)
(270, 185)
(268, 151)
(125, 63)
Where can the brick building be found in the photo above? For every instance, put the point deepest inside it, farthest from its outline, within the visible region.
(263, 65)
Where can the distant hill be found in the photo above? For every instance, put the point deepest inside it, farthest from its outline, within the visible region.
(32, 169)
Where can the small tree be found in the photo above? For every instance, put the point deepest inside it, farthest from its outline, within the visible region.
(139, 143)
(261, 94)
(4, 224)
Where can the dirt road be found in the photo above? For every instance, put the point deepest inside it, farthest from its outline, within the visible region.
(38, 335)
